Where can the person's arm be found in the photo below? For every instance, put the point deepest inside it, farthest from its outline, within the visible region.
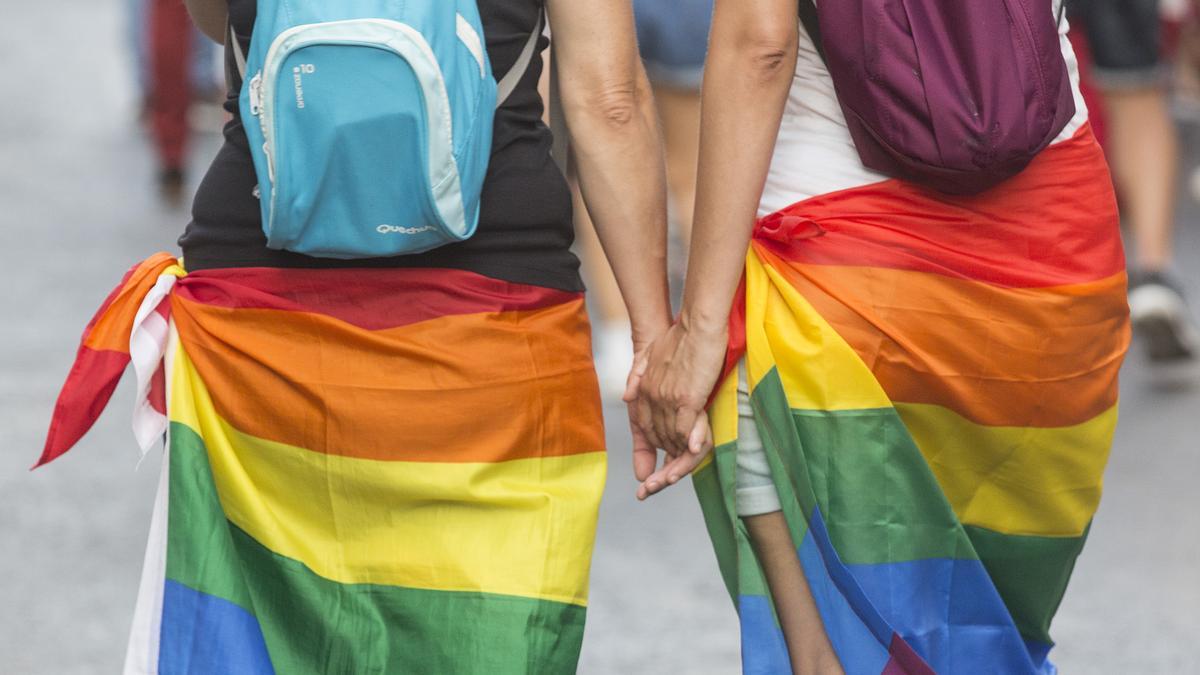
(617, 151)
(210, 16)
(751, 62)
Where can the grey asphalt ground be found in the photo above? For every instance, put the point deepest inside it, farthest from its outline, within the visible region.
(76, 209)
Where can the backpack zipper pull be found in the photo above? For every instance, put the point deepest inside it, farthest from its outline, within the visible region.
(256, 94)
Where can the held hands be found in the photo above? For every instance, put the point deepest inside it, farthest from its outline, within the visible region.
(666, 394)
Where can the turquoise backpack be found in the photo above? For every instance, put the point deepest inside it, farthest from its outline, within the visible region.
(370, 122)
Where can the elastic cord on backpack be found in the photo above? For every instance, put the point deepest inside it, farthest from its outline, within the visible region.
(505, 86)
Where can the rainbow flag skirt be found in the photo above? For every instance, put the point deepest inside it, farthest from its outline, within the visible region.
(368, 471)
(935, 384)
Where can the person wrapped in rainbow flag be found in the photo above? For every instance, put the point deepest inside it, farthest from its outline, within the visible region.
(915, 391)
(388, 463)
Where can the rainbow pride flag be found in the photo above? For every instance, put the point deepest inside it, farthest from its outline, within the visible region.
(368, 471)
(935, 383)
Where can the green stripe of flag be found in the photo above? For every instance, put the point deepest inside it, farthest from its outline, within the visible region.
(718, 518)
(200, 548)
(1031, 574)
(315, 625)
(880, 500)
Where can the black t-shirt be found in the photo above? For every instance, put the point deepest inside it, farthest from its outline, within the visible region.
(525, 232)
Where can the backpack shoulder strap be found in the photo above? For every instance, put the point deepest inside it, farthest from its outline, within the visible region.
(504, 87)
(808, 17)
(239, 56)
(508, 84)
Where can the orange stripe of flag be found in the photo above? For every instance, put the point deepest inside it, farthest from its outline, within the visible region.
(1035, 357)
(483, 380)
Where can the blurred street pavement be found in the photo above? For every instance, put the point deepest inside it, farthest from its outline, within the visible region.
(77, 207)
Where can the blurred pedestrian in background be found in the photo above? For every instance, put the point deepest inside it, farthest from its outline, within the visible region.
(915, 391)
(177, 68)
(673, 38)
(1127, 65)
(386, 463)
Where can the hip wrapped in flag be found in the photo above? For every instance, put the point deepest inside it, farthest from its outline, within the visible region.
(369, 471)
(935, 383)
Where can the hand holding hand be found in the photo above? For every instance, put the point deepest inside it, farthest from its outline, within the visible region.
(645, 454)
(666, 394)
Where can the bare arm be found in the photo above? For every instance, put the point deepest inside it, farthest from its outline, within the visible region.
(617, 148)
(751, 62)
(210, 16)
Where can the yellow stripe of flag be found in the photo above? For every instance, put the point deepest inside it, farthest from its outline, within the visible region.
(819, 370)
(1015, 480)
(522, 528)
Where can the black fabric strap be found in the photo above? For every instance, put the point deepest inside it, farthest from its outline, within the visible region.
(808, 17)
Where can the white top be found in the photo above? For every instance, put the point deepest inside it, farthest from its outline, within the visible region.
(814, 153)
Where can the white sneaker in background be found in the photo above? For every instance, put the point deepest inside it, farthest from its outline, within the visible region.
(613, 350)
(1194, 177)
(1161, 319)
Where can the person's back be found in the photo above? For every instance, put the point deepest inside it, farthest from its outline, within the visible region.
(391, 464)
(815, 154)
(915, 393)
(525, 231)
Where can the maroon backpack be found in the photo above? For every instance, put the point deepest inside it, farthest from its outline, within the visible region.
(957, 95)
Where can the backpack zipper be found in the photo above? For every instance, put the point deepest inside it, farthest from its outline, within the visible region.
(261, 85)
(256, 94)
(256, 109)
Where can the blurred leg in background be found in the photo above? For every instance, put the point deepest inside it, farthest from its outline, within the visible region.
(170, 93)
(176, 68)
(207, 71)
(138, 36)
(673, 38)
(1125, 41)
(679, 110)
